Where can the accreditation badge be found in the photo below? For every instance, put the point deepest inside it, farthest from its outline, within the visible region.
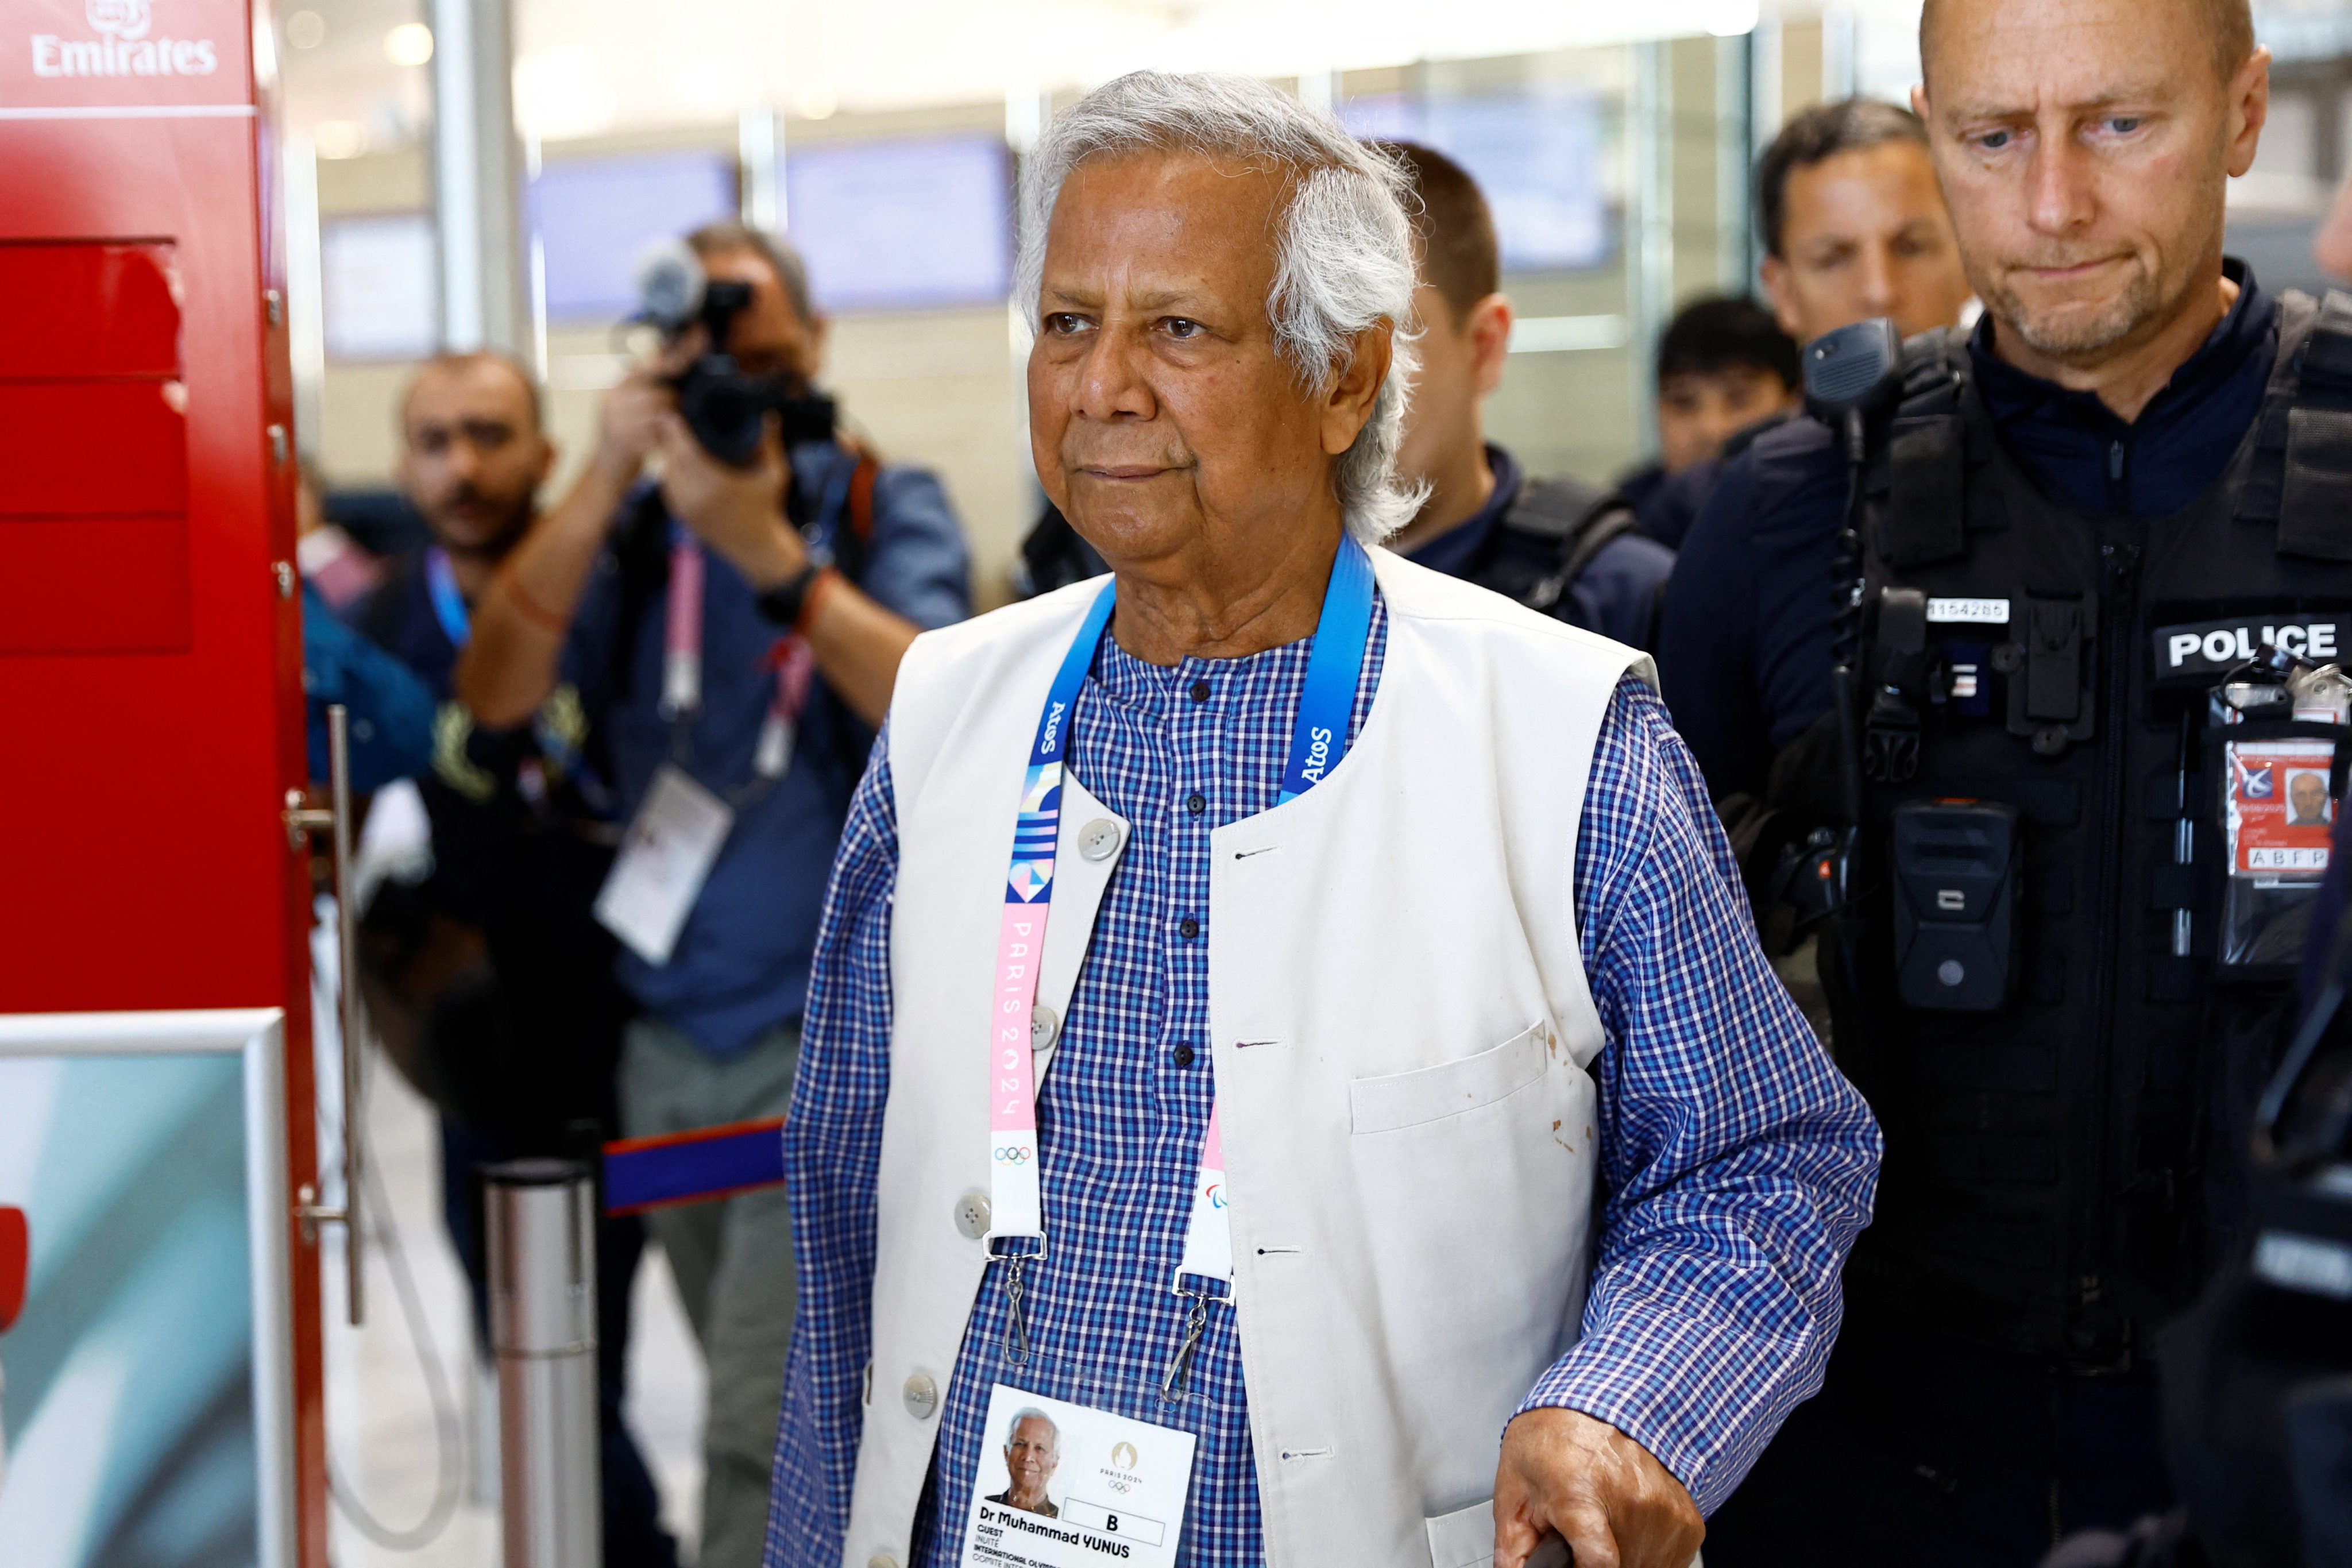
(1061, 1485)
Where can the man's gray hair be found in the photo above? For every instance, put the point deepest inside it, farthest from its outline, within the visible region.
(1344, 256)
(1012, 1428)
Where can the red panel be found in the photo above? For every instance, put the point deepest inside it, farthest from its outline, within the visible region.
(92, 448)
(88, 309)
(106, 584)
(142, 860)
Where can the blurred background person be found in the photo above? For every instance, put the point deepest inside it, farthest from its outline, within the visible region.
(1556, 545)
(736, 632)
(1854, 222)
(1854, 226)
(489, 980)
(1725, 368)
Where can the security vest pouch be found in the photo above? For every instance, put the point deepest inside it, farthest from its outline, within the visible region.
(1955, 868)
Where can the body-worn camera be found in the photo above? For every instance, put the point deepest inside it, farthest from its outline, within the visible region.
(724, 407)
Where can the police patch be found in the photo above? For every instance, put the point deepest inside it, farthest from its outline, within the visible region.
(2200, 651)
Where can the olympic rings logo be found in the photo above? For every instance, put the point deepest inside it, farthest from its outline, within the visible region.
(1013, 1154)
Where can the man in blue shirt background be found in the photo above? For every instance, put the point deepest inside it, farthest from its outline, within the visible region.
(1555, 545)
(589, 596)
(475, 975)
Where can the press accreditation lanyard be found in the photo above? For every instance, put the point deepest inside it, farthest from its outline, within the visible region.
(448, 604)
(681, 697)
(1319, 739)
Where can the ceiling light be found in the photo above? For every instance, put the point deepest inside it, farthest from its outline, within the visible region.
(815, 103)
(339, 138)
(306, 30)
(410, 44)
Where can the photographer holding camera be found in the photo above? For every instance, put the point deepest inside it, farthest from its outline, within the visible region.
(736, 629)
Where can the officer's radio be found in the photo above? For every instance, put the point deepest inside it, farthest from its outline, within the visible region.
(1955, 867)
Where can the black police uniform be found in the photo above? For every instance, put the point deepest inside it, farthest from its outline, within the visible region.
(2060, 1091)
(1558, 546)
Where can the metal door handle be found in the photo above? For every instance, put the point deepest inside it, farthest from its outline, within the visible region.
(302, 821)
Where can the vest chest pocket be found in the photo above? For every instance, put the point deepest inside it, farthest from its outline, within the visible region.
(1449, 1089)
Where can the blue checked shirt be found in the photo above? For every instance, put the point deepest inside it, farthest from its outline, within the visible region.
(1737, 1163)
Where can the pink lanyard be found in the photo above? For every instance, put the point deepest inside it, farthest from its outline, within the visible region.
(681, 697)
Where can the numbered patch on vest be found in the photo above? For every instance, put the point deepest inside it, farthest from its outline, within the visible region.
(2195, 652)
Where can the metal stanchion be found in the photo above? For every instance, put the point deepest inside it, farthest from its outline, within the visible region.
(542, 1256)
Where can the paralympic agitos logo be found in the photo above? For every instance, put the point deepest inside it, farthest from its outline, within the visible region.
(122, 46)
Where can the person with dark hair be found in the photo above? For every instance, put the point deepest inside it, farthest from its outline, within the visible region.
(1972, 625)
(1855, 225)
(1725, 370)
(737, 630)
(1557, 545)
(488, 981)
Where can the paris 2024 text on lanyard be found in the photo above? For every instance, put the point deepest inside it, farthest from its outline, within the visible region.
(1024, 1523)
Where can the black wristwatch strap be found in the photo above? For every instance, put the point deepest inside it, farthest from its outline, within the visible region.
(783, 604)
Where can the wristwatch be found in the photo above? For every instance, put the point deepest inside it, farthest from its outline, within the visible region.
(784, 604)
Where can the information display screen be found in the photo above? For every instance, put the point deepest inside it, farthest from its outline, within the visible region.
(1540, 156)
(376, 285)
(132, 1435)
(903, 224)
(594, 218)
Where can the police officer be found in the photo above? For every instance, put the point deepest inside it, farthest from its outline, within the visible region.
(1556, 545)
(2136, 443)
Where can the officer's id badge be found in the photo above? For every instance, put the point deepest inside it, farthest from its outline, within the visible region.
(1062, 1484)
(2280, 817)
(2195, 653)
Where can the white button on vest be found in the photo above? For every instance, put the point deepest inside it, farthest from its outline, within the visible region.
(971, 1216)
(881, 1560)
(1099, 839)
(1044, 1026)
(922, 1397)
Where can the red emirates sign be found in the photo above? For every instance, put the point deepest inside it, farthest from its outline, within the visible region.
(124, 54)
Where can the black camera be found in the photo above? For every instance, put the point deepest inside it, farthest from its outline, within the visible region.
(724, 407)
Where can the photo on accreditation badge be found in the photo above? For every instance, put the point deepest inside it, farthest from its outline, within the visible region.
(2281, 819)
(1061, 1484)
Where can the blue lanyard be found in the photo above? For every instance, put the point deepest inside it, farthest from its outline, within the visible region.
(448, 605)
(1319, 739)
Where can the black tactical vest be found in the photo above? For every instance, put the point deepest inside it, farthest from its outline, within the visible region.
(2059, 1153)
(1551, 535)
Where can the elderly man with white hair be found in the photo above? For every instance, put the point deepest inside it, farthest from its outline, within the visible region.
(1365, 1086)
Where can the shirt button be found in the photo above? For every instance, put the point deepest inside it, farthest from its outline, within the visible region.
(922, 1397)
(1196, 803)
(1190, 927)
(1099, 839)
(1200, 692)
(1182, 1055)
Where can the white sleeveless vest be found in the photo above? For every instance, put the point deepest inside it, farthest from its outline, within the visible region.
(1401, 1027)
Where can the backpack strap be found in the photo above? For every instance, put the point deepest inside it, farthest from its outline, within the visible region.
(1582, 521)
(851, 543)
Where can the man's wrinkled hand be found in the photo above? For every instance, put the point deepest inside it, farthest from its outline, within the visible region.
(1565, 1474)
(739, 512)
